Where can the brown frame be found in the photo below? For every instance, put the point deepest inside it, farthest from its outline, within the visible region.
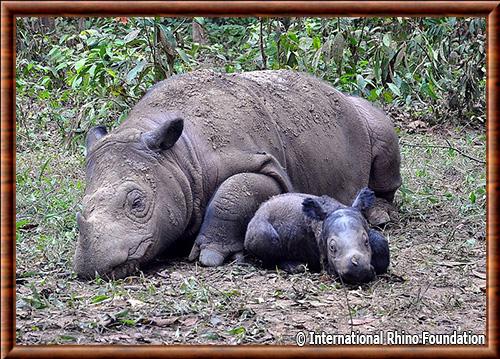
(12, 9)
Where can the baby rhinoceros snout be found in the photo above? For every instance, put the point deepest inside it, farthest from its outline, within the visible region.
(357, 270)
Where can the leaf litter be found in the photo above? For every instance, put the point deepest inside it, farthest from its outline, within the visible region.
(436, 282)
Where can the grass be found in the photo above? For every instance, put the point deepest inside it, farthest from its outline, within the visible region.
(49, 186)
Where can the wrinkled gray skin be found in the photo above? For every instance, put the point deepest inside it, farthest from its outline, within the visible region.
(199, 153)
(349, 248)
(295, 230)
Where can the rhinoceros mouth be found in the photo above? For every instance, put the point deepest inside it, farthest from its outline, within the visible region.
(123, 270)
(140, 250)
(131, 265)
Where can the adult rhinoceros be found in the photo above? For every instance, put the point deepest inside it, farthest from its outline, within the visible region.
(200, 152)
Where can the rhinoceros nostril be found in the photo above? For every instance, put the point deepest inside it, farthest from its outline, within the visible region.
(354, 260)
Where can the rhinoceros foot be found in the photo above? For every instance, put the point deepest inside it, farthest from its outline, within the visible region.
(207, 255)
(211, 258)
(381, 213)
(378, 217)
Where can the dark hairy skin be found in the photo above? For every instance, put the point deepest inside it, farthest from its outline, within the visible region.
(296, 230)
(199, 153)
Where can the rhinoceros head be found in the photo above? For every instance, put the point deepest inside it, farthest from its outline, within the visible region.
(134, 202)
(345, 240)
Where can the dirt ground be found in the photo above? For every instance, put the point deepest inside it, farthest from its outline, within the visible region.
(436, 280)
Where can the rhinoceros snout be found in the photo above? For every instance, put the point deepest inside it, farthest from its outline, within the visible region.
(357, 272)
(89, 268)
(92, 259)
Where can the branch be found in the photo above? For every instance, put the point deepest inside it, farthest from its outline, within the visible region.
(355, 52)
(446, 147)
(151, 47)
(262, 53)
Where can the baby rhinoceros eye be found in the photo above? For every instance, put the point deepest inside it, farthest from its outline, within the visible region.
(367, 243)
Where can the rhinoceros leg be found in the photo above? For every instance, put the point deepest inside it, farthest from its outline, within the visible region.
(229, 211)
(385, 179)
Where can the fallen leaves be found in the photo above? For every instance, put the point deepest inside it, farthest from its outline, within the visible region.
(478, 274)
(229, 306)
(162, 322)
(454, 263)
(189, 321)
(134, 303)
(361, 321)
(416, 125)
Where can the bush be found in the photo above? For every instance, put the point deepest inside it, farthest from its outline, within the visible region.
(82, 72)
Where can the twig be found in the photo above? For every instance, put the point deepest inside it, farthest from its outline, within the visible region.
(147, 38)
(355, 55)
(347, 302)
(151, 47)
(262, 53)
(446, 147)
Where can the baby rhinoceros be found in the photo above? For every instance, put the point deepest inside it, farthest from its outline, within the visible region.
(295, 229)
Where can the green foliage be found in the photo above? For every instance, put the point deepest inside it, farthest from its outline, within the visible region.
(99, 298)
(238, 331)
(36, 300)
(464, 189)
(194, 290)
(92, 70)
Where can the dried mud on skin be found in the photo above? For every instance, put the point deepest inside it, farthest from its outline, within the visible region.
(436, 283)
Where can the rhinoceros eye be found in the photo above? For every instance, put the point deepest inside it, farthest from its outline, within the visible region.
(136, 202)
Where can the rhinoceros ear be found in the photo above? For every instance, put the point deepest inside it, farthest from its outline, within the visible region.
(380, 251)
(364, 199)
(94, 134)
(164, 136)
(313, 209)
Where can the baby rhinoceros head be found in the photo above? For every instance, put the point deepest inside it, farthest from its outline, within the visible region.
(345, 241)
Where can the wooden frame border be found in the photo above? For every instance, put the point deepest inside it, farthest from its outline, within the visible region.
(12, 9)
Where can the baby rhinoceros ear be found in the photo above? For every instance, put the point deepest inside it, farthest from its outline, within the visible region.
(166, 134)
(364, 199)
(313, 209)
(380, 251)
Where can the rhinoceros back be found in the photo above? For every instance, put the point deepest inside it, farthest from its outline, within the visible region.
(314, 131)
(327, 143)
